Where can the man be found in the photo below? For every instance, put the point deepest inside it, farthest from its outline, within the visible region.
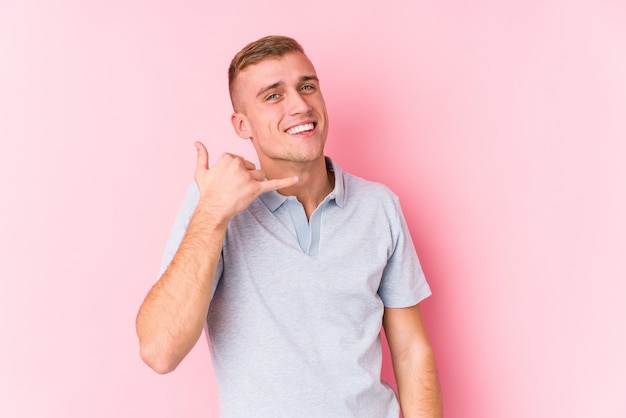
(293, 267)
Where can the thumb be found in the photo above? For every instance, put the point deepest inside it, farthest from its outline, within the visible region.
(203, 156)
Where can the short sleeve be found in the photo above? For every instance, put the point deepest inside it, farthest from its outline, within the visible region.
(177, 233)
(403, 283)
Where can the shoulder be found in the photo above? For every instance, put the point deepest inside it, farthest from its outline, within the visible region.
(362, 190)
(355, 185)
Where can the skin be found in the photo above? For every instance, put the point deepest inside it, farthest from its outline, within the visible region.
(271, 97)
(275, 95)
(171, 318)
(413, 363)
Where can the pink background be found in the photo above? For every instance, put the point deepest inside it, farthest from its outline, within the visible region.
(501, 126)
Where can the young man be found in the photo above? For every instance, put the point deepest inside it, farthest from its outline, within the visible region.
(293, 267)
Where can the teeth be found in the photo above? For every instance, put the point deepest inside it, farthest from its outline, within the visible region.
(300, 128)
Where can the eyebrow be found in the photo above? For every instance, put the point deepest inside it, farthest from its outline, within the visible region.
(304, 78)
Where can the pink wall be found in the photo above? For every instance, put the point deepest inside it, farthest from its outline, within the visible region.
(501, 127)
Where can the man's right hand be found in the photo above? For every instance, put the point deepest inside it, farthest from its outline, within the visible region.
(173, 314)
(230, 186)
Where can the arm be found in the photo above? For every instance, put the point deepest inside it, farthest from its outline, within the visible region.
(171, 317)
(413, 363)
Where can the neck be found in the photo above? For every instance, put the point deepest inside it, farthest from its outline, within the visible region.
(314, 184)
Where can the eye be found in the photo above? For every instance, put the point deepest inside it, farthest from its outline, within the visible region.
(307, 87)
(272, 96)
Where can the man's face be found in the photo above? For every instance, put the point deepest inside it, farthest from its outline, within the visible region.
(281, 110)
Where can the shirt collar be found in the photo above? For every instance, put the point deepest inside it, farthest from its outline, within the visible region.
(273, 200)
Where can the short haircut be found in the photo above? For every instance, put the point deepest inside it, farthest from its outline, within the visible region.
(257, 51)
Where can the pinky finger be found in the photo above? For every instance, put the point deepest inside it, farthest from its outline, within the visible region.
(277, 184)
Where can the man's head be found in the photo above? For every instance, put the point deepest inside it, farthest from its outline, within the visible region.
(254, 53)
(278, 102)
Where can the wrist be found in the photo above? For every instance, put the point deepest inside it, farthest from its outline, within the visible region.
(211, 221)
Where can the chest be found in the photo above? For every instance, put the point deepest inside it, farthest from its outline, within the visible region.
(265, 251)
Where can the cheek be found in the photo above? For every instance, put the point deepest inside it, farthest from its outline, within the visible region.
(274, 118)
(320, 105)
(268, 119)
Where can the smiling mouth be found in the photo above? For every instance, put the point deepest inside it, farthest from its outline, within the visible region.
(305, 127)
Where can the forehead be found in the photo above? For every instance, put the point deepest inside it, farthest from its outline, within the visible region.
(290, 68)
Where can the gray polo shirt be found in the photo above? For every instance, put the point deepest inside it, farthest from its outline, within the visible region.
(294, 323)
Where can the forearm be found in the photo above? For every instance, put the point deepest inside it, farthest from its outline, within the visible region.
(418, 385)
(172, 316)
(173, 313)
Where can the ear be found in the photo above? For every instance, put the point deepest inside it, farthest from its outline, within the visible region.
(240, 124)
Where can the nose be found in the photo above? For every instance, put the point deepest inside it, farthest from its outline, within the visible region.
(298, 104)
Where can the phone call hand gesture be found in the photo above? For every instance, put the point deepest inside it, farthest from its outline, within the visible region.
(231, 184)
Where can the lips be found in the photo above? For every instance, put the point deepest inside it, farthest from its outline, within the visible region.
(302, 128)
